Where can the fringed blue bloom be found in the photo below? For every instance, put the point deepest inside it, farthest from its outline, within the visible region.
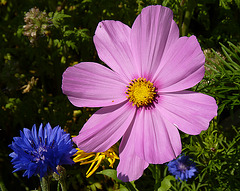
(41, 152)
(182, 168)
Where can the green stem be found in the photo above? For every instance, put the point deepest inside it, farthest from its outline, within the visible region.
(44, 182)
(2, 186)
(60, 177)
(181, 16)
(130, 186)
(157, 176)
(63, 184)
(191, 4)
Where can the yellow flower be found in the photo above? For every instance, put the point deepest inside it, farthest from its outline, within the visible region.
(95, 158)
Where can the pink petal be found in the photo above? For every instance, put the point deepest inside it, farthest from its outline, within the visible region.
(157, 140)
(152, 33)
(182, 66)
(190, 112)
(130, 167)
(105, 128)
(112, 43)
(92, 85)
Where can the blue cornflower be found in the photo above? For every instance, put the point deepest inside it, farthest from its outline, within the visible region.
(40, 153)
(182, 168)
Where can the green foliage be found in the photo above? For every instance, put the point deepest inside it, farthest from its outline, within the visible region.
(217, 157)
(222, 79)
(166, 183)
(58, 18)
(124, 185)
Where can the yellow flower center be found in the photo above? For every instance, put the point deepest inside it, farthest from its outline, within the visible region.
(141, 92)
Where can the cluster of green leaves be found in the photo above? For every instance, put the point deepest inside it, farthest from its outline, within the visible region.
(223, 78)
(216, 153)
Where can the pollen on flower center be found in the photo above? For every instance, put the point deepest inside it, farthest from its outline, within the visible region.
(141, 92)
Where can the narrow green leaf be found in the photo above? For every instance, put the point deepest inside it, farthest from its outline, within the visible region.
(113, 174)
(223, 62)
(210, 67)
(122, 188)
(110, 173)
(219, 68)
(58, 17)
(225, 50)
(165, 2)
(235, 47)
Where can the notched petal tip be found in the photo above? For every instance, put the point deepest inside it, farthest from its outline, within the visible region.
(152, 33)
(90, 84)
(123, 177)
(190, 112)
(112, 42)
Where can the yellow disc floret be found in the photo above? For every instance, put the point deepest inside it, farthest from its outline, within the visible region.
(141, 92)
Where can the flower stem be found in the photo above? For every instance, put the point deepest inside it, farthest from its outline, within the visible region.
(188, 15)
(63, 184)
(44, 182)
(131, 186)
(157, 176)
(60, 177)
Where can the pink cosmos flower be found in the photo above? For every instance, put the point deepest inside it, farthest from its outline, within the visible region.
(142, 93)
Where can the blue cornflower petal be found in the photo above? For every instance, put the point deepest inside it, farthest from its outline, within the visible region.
(182, 168)
(40, 152)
